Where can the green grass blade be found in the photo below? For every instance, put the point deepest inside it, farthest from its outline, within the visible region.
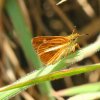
(55, 75)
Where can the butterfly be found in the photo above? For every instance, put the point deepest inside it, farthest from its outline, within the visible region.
(52, 48)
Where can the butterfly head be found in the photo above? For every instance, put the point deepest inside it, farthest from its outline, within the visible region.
(74, 37)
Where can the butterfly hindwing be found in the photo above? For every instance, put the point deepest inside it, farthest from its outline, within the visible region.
(52, 56)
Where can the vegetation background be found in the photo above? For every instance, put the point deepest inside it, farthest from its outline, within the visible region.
(21, 20)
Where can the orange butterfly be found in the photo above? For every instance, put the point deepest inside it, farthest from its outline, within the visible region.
(51, 48)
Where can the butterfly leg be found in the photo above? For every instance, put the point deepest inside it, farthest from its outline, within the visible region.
(75, 46)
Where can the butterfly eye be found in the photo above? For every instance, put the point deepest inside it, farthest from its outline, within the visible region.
(74, 39)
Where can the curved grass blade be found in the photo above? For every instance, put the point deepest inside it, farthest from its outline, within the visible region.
(53, 76)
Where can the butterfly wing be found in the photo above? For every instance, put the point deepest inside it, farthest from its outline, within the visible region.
(43, 43)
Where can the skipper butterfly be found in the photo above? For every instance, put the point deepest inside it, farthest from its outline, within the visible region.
(52, 48)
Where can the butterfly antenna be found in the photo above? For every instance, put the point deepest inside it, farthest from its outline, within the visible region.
(84, 34)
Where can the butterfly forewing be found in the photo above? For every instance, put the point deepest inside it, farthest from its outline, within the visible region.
(43, 43)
